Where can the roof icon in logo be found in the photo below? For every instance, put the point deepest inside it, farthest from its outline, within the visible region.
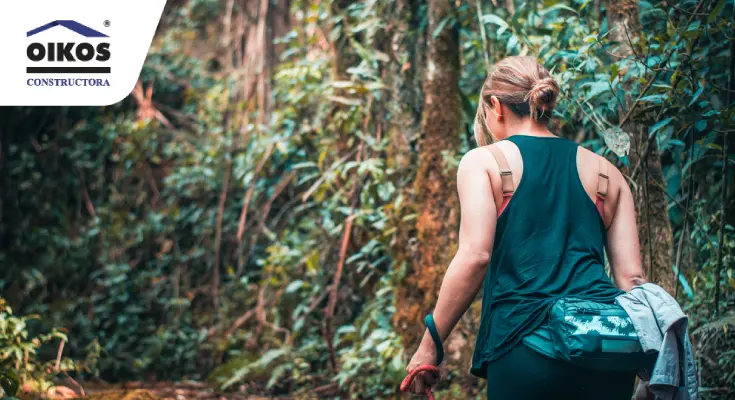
(70, 25)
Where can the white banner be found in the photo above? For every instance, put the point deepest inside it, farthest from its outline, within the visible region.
(73, 52)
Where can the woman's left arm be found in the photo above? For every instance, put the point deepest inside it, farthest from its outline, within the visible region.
(466, 272)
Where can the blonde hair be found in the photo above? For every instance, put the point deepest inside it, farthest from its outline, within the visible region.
(522, 84)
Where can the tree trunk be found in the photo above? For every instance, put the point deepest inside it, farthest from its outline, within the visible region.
(404, 73)
(654, 226)
(248, 37)
(434, 187)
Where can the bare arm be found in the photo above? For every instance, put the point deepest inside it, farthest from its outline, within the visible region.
(623, 248)
(466, 272)
(624, 252)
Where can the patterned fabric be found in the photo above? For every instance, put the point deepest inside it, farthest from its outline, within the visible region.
(608, 325)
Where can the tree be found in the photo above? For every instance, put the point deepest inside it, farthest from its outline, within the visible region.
(405, 81)
(655, 231)
(436, 200)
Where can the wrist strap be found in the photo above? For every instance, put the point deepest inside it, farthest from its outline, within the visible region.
(431, 326)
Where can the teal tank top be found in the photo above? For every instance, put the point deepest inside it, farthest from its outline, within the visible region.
(549, 244)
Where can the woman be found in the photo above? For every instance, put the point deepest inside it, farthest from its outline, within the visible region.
(534, 233)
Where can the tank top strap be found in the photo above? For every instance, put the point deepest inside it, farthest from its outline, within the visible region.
(506, 176)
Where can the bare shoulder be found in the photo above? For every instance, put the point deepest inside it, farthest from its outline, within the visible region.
(589, 157)
(590, 166)
(597, 163)
(478, 154)
(474, 159)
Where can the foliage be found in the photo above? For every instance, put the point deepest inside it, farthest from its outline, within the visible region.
(109, 224)
(19, 354)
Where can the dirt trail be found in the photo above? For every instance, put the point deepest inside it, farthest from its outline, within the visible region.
(146, 391)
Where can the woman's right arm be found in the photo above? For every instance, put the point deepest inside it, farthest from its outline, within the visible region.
(623, 248)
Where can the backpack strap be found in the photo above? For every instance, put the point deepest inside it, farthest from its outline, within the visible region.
(603, 182)
(506, 176)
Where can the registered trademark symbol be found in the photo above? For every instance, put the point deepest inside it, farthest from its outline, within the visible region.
(107, 23)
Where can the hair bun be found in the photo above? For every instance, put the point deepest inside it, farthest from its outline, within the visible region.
(543, 95)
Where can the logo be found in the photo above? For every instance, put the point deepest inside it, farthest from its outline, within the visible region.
(53, 62)
(90, 53)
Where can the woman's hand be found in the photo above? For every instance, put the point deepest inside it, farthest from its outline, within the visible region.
(642, 391)
(468, 268)
(425, 355)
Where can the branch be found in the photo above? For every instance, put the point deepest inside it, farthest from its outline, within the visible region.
(85, 195)
(690, 194)
(280, 186)
(655, 76)
(58, 354)
(240, 322)
(75, 383)
(687, 212)
(314, 304)
(483, 34)
(260, 314)
(329, 312)
(218, 234)
(324, 175)
(152, 183)
(244, 211)
(648, 222)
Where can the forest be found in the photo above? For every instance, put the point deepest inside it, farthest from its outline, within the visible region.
(269, 214)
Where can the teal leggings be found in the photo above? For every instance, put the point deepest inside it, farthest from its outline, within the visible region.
(523, 374)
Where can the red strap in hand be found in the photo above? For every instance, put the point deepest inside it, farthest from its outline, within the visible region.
(421, 368)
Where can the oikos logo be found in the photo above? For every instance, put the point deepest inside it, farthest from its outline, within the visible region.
(68, 63)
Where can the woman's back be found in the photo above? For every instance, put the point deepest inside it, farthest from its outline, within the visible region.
(549, 243)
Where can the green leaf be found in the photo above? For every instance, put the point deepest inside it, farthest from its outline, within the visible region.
(346, 329)
(294, 286)
(383, 346)
(397, 362)
(684, 283)
(700, 125)
(673, 76)
(657, 127)
(614, 71)
(653, 98)
(9, 382)
(512, 42)
(711, 113)
(440, 27)
(494, 19)
(276, 374)
(716, 12)
(696, 94)
(557, 7)
(345, 100)
(596, 88)
(305, 164)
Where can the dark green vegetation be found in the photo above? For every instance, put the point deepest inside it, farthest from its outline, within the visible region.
(277, 217)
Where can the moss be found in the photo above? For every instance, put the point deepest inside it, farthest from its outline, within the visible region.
(435, 198)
